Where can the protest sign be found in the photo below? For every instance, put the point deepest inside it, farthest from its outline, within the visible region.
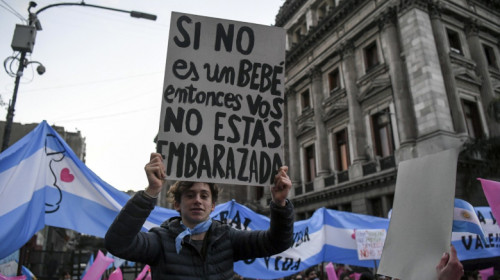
(425, 190)
(370, 243)
(222, 104)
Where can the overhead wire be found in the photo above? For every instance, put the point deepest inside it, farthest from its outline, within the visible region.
(12, 11)
(141, 95)
(93, 82)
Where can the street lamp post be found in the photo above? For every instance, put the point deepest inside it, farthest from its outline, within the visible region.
(12, 103)
(35, 23)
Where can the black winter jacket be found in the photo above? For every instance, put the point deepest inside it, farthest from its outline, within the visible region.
(223, 245)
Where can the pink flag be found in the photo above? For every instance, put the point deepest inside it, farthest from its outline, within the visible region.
(492, 192)
(485, 273)
(3, 277)
(330, 271)
(356, 275)
(145, 274)
(100, 265)
(116, 275)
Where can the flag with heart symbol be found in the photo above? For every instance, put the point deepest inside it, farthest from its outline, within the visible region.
(43, 182)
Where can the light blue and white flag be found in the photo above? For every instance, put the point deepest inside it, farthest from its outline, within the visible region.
(466, 220)
(42, 182)
(329, 235)
(470, 245)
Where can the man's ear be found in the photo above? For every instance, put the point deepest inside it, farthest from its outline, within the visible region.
(213, 206)
(177, 206)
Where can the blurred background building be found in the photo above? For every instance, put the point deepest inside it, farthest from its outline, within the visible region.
(372, 83)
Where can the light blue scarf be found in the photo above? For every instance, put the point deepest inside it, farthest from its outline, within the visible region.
(199, 228)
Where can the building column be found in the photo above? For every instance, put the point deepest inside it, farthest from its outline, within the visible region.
(356, 127)
(487, 93)
(294, 152)
(405, 115)
(321, 135)
(450, 84)
(434, 122)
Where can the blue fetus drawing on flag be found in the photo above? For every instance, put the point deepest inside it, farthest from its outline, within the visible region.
(55, 151)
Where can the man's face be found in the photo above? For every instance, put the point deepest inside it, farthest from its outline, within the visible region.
(196, 204)
(312, 275)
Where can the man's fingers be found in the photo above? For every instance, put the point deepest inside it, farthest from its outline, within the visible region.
(284, 168)
(155, 166)
(453, 255)
(443, 261)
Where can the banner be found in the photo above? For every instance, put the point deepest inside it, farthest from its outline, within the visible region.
(330, 236)
(222, 106)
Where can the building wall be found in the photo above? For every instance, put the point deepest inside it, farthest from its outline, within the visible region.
(395, 79)
(74, 139)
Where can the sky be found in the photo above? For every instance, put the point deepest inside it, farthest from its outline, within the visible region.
(104, 73)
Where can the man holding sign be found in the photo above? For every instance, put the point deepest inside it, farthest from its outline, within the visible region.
(193, 246)
(221, 122)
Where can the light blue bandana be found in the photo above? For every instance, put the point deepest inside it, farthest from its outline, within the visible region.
(199, 228)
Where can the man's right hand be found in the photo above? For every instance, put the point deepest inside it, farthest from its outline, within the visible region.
(155, 172)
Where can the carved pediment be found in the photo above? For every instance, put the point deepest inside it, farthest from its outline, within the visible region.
(305, 126)
(335, 104)
(335, 110)
(464, 74)
(374, 87)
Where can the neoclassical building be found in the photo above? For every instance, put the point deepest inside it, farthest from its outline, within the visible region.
(370, 83)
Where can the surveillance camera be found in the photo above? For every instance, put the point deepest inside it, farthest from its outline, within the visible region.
(40, 69)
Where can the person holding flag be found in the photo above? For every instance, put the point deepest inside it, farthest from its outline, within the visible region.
(193, 246)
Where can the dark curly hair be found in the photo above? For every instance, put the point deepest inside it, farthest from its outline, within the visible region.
(175, 192)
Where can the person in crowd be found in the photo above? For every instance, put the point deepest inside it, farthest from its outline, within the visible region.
(311, 273)
(298, 277)
(366, 276)
(193, 246)
(345, 275)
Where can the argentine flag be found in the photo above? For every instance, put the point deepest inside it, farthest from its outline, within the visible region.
(43, 182)
(466, 220)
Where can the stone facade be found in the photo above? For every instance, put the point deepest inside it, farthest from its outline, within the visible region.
(372, 83)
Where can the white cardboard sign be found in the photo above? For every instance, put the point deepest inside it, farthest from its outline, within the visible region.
(370, 243)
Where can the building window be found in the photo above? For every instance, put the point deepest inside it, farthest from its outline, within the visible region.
(347, 207)
(299, 32)
(376, 208)
(259, 192)
(454, 41)
(334, 80)
(322, 11)
(382, 134)
(342, 150)
(310, 163)
(472, 119)
(491, 58)
(305, 98)
(371, 56)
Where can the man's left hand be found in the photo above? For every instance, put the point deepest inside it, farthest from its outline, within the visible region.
(281, 187)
